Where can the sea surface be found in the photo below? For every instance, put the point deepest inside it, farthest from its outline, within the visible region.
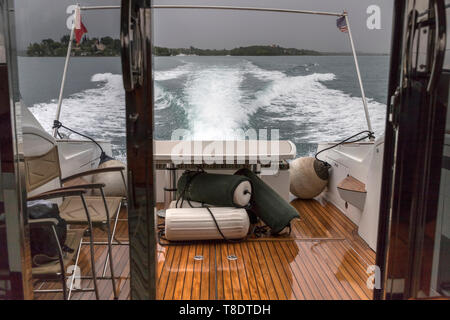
(309, 99)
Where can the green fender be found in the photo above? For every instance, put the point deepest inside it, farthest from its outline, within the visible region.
(273, 210)
(213, 189)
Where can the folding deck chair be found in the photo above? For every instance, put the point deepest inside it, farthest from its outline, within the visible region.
(78, 209)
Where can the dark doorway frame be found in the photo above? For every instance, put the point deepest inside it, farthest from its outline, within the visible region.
(389, 143)
(411, 171)
(137, 64)
(15, 256)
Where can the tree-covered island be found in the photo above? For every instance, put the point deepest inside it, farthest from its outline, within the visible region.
(272, 50)
(107, 46)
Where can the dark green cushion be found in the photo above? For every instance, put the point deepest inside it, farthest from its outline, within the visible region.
(272, 209)
(213, 189)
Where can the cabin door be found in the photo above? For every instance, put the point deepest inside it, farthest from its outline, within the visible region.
(412, 209)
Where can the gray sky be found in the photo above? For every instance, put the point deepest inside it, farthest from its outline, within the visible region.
(39, 19)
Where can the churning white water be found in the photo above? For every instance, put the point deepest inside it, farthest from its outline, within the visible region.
(214, 99)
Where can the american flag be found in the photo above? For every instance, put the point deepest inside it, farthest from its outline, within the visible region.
(341, 23)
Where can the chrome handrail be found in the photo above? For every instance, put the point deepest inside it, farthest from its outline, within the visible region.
(336, 14)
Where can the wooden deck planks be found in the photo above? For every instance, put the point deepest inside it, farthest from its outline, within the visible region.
(325, 281)
(197, 273)
(255, 277)
(323, 258)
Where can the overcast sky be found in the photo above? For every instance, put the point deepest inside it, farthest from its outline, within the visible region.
(40, 19)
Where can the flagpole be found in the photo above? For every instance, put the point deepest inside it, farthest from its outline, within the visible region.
(63, 81)
(366, 108)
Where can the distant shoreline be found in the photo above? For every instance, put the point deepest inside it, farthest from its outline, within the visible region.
(24, 55)
(108, 47)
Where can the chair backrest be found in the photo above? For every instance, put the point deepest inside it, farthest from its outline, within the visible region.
(42, 169)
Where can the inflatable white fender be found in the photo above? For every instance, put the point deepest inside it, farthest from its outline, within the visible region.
(308, 176)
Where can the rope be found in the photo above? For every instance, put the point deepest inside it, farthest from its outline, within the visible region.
(370, 134)
(188, 182)
(260, 231)
(57, 125)
(182, 197)
(220, 231)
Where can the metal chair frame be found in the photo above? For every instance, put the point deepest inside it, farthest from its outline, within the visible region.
(52, 223)
(63, 192)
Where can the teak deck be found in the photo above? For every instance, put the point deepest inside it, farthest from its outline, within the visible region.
(323, 258)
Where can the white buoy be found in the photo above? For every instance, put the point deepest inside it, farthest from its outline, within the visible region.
(308, 177)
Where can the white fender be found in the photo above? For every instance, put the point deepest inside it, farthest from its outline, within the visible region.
(304, 175)
(184, 224)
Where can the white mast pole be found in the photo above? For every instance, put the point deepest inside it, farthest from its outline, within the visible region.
(366, 108)
(66, 65)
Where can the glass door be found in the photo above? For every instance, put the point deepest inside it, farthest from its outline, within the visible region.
(410, 230)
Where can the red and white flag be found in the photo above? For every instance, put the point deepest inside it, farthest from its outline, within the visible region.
(80, 29)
